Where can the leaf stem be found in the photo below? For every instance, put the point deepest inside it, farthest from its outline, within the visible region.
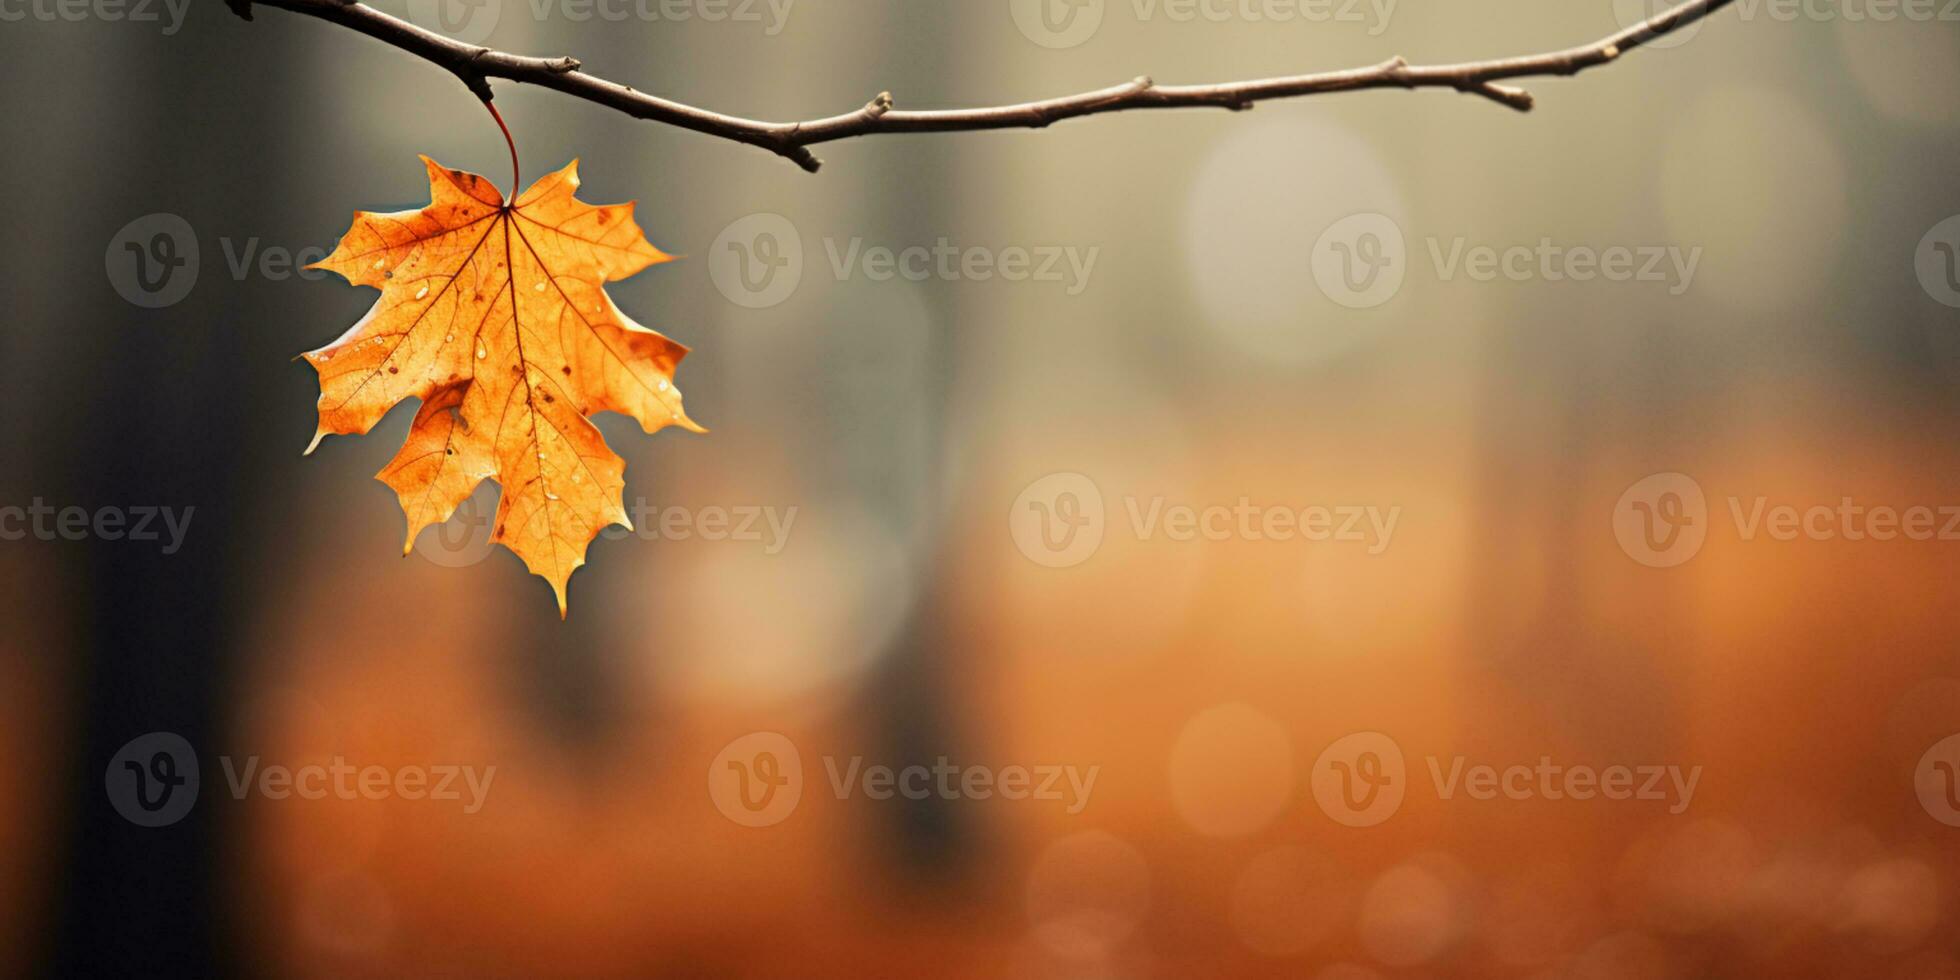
(510, 199)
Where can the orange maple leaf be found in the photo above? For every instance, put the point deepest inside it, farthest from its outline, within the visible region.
(495, 315)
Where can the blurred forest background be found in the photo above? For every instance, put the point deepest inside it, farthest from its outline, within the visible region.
(901, 622)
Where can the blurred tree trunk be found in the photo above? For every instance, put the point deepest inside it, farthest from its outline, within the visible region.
(174, 407)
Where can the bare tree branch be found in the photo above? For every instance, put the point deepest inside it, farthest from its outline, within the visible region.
(477, 65)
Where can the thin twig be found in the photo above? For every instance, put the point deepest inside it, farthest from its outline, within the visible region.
(477, 65)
